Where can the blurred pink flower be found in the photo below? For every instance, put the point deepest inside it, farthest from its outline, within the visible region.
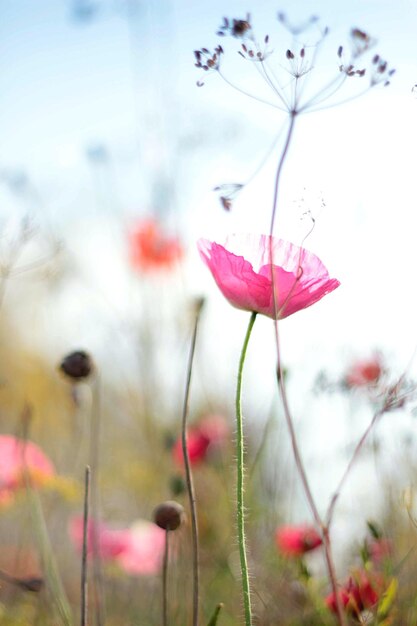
(145, 550)
(211, 432)
(364, 372)
(137, 550)
(150, 249)
(297, 540)
(242, 271)
(110, 543)
(18, 456)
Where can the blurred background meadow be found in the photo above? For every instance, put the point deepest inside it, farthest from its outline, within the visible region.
(109, 157)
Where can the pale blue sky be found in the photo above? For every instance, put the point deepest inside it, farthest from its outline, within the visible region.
(129, 84)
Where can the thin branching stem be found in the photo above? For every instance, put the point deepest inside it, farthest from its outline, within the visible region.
(282, 389)
(188, 472)
(306, 485)
(240, 479)
(279, 171)
(376, 417)
(246, 93)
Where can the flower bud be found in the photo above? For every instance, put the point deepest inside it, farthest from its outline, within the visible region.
(176, 485)
(77, 365)
(169, 515)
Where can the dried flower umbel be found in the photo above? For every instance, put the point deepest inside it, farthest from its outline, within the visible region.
(287, 73)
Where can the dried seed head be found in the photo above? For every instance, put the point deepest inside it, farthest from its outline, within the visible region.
(169, 515)
(77, 365)
(240, 28)
(235, 27)
(226, 203)
(356, 33)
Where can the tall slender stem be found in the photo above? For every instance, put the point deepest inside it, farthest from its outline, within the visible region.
(188, 473)
(240, 479)
(94, 453)
(165, 581)
(84, 585)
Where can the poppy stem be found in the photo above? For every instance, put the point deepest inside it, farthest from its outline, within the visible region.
(84, 584)
(187, 467)
(240, 478)
(165, 581)
(94, 455)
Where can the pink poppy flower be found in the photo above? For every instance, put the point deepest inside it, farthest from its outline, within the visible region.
(297, 540)
(242, 271)
(18, 456)
(211, 432)
(145, 549)
(136, 550)
(364, 372)
(110, 543)
(150, 249)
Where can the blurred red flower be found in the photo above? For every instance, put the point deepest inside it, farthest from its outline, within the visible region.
(364, 372)
(137, 550)
(362, 591)
(150, 249)
(297, 540)
(18, 456)
(212, 431)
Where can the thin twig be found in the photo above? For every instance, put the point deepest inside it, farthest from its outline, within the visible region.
(187, 466)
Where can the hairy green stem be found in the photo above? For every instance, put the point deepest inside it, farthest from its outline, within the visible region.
(240, 479)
